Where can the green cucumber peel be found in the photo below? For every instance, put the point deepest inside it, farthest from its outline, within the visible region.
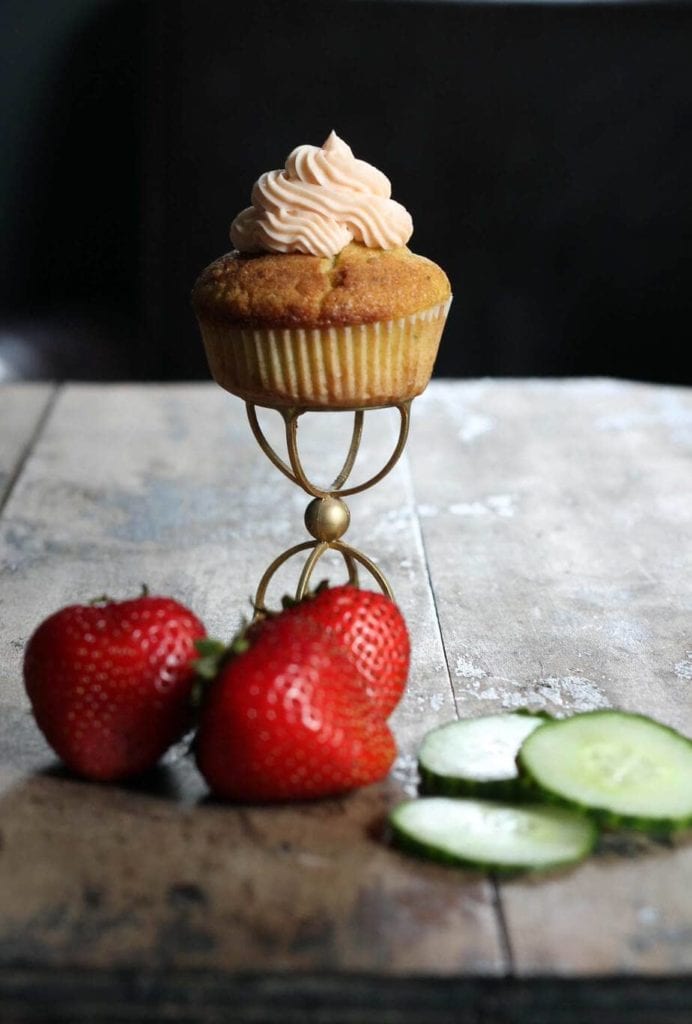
(625, 770)
(477, 756)
(484, 835)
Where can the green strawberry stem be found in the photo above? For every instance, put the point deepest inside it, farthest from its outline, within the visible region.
(213, 656)
(107, 599)
(287, 601)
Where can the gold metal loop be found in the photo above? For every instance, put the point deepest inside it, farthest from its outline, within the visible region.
(350, 556)
(275, 565)
(352, 568)
(291, 418)
(264, 444)
(309, 567)
(356, 436)
(368, 563)
(291, 422)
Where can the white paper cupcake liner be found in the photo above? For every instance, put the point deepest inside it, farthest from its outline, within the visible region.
(353, 366)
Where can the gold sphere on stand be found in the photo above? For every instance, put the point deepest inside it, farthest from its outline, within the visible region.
(327, 518)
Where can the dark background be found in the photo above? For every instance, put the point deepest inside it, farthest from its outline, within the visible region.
(544, 151)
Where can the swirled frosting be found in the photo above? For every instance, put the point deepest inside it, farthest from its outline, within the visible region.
(323, 199)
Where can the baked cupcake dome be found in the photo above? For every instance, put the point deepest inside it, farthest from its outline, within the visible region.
(357, 330)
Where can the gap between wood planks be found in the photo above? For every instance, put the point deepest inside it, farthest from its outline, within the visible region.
(505, 943)
(29, 446)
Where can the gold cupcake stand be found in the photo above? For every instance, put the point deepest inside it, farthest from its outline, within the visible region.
(327, 516)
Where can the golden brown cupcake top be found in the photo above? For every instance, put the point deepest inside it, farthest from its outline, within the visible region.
(358, 285)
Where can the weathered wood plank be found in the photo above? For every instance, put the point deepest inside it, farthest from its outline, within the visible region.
(21, 408)
(557, 521)
(167, 486)
(193, 996)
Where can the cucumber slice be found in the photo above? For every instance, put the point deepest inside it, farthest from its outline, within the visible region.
(476, 756)
(624, 769)
(492, 836)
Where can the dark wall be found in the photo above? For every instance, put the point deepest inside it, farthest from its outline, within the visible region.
(545, 152)
(71, 96)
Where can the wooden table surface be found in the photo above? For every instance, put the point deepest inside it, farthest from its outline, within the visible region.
(537, 535)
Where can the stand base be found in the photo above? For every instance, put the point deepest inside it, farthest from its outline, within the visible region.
(318, 548)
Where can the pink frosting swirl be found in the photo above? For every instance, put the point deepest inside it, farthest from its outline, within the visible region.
(322, 200)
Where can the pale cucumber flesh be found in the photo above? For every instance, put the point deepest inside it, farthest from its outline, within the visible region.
(492, 836)
(475, 756)
(625, 768)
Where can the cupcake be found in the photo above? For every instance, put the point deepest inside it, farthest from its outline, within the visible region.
(321, 304)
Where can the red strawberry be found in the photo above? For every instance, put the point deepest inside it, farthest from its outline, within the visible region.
(110, 683)
(288, 719)
(372, 631)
